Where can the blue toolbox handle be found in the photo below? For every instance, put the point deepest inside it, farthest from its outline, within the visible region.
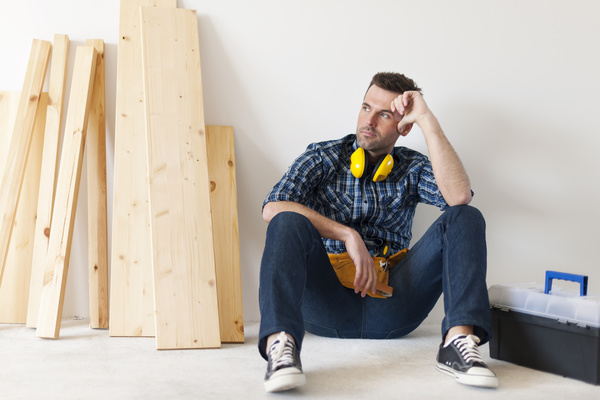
(581, 279)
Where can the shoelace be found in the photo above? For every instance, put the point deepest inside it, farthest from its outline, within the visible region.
(281, 351)
(468, 348)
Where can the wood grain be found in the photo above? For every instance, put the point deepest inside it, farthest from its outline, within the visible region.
(9, 103)
(223, 199)
(131, 291)
(14, 290)
(96, 184)
(14, 168)
(185, 289)
(49, 169)
(67, 190)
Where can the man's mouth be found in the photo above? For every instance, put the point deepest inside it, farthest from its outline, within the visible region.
(367, 131)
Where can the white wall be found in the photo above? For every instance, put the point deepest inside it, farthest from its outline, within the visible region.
(514, 83)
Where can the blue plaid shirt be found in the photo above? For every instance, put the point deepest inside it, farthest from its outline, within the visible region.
(320, 178)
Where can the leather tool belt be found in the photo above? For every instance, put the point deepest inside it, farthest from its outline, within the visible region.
(346, 270)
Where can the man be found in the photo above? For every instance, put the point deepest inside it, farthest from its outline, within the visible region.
(332, 203)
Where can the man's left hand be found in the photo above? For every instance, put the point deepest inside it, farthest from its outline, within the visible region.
(408, 108)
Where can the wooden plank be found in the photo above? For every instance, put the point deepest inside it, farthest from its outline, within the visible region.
(16, 162)
(56, 94)
(9, 103)
(131, 291)
(96, 177)
(14, 289)
(67, 190)
(183, 261)
(223, 200)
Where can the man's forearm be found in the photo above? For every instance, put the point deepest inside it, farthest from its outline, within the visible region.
(327, 228)
(449, 172)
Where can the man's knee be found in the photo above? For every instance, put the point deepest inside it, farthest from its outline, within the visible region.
(287, 222)
(288, 218)
(469, 214)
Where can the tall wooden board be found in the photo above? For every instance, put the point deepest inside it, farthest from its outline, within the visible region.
(9, 103)
(183, 261)
(67, 190)
(56, 95)
(14, 289)
(223, 200)
(96, 180)
(131, 291)
(14, 168)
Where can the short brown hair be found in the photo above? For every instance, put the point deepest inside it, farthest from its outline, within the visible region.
(394, 82)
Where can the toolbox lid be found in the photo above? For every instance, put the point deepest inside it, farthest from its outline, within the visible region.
(530, 298)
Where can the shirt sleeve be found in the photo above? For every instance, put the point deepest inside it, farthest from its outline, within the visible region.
(427, 188)
(300, 181)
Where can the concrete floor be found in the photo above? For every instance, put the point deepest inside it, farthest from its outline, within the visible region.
(88, 364)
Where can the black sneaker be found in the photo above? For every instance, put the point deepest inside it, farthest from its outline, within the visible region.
(284, 370)
(461, 359)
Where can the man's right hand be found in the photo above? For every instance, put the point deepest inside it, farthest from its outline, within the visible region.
(365, 277)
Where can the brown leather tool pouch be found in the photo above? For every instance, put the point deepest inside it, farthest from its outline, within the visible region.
(346, 270)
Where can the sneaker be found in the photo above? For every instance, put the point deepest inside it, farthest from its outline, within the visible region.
(284, 370)
(460, 358)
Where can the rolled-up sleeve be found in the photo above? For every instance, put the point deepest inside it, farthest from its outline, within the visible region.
(427, 188)
(298, 184)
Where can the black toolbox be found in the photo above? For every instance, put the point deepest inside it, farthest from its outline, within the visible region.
(547, 330)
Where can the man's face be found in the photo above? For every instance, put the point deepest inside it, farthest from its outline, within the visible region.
(376, 130)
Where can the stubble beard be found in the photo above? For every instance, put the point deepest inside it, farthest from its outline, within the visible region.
(371, 144)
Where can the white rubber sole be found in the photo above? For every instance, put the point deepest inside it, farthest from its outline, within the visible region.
(285, 380)
(483, 379)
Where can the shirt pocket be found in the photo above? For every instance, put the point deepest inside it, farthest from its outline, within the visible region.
(393, 211)
(335, 204)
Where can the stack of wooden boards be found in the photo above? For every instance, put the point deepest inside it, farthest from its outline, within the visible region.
(39, 197)
(165, 246)
(175, 264)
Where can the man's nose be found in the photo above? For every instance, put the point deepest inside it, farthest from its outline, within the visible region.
(371, 120)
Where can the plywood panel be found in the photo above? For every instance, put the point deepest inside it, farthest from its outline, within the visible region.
(14, 171)
(223, 199)
(96, 177)
(56, 94)
(181, 229)
(131, 292)
(67, 190)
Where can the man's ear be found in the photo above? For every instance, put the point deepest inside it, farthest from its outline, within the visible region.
(405, 129)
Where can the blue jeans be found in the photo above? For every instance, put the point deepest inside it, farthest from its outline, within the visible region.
(300, 291)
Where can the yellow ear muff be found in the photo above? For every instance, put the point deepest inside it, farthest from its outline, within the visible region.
(383, 168)
(358, 162)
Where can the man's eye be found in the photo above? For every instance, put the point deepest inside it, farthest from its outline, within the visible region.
(385, 116)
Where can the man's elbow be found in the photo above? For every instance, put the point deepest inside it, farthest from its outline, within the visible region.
(268, 212)
(460, 199)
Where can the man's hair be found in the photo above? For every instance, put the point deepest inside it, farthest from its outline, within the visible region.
(394, 82)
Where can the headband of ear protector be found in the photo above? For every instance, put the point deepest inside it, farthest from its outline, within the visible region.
(358, 163)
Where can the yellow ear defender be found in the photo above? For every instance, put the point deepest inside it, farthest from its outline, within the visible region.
(358, 162)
